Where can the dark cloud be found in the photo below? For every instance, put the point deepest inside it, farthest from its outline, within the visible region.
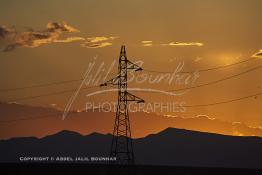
(5, 32)
(10, 47)
(52, 34)
(32, 38)
(60, 27)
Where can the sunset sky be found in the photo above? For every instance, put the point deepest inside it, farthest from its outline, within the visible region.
(51, 41)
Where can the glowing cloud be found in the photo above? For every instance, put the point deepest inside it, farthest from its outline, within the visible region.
(206, 123)
(100, 38)
(69, 39)
(98, 42)
(197, 59)
(33, 39)
(183, 44)
(146, 42)
(258, 54)
(96, 45)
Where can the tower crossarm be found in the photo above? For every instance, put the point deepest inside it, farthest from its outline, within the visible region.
(131, 97)
(113, 81)
(133, 66)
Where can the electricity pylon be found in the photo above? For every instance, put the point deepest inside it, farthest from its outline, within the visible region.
(122, 146)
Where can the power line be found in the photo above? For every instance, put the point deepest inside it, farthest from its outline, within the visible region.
(204, 70)
(39, 116)
(32, 118)
(224, 102)
(220, 80)
(40, 85)
(148, 70)
(201, 85)
(189, 106)
(49, 94)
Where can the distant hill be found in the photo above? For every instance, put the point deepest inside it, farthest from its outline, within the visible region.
(175, 147)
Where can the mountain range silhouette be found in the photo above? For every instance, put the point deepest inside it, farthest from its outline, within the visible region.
(26, 121)
(170, 147)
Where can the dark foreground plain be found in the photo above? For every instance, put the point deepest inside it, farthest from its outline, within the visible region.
(73, 169)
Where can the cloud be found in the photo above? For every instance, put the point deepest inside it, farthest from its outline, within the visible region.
(258, 54)
(148, 43)
(98, 42)
(197, 59)
(96, 45)
(202, 116)
(53, 33)
(206, 123)
(5, 31)
(69, 39)
(60, 27)
(183, 44)
(100, 38)
(32, 39)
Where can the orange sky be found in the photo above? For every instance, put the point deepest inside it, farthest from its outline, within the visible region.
(55, 40)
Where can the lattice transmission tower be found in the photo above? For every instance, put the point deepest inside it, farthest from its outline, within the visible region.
(122, 146)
